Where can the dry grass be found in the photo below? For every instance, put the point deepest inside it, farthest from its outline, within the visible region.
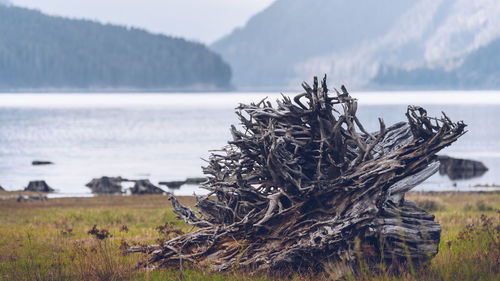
(51, 241)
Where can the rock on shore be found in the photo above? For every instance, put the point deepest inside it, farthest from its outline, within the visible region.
(106, 185)
(145, 187)
(457, 169)
(38, 186)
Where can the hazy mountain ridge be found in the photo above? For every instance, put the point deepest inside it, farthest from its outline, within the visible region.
(265, 52)
(479, 70)
(39, 52)
(417, 35)
(461, 54)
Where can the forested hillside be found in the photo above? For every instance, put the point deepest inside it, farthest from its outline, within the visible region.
(40, 52)
(266, 52)
(367, 44)
(479, 70)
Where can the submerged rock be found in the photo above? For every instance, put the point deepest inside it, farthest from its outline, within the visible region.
(195, 180)
(459, 169)
(145, 187)
(172, 184)
(38, 162)
(38, 186)
(106, 185)
(178, 184)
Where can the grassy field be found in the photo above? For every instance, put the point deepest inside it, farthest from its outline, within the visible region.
(51, 241)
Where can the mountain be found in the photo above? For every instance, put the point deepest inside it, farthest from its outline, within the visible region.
(479, 70)
(265, 52)
(41, 52)
(355, 42)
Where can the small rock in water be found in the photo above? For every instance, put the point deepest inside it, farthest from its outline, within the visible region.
(145, 187)
(172, 184)
(106, 185)
(38, 162)
(178, 184)
(38, 186)
(195, 180)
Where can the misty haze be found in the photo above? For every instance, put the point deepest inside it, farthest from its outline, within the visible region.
(249, 140)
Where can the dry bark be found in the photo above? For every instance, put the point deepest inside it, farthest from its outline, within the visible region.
(303, 186)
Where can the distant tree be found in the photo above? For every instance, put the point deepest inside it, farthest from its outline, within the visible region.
(45, 52)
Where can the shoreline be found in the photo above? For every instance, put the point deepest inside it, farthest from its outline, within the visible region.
(13, 195)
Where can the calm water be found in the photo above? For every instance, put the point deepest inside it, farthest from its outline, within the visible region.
(163, 137)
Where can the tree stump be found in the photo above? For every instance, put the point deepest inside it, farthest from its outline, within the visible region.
(303, 187)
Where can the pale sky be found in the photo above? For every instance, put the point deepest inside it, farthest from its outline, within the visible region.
(200, 20)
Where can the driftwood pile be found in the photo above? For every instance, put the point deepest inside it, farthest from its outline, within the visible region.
(303, 187)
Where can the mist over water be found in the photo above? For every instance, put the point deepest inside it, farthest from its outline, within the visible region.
(163, 137)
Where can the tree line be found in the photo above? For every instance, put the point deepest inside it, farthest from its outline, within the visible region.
(38, 51)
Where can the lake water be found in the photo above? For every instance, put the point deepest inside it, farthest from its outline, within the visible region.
(164, 137)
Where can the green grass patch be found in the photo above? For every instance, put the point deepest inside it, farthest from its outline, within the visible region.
(51, 240)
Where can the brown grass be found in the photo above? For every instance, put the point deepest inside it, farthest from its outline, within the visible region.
(51, 240)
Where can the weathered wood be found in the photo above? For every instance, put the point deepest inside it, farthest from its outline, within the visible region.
(29, 198)
(300, 183)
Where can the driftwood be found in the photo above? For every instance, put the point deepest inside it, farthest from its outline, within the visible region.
(304, 187)
(30, 198)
